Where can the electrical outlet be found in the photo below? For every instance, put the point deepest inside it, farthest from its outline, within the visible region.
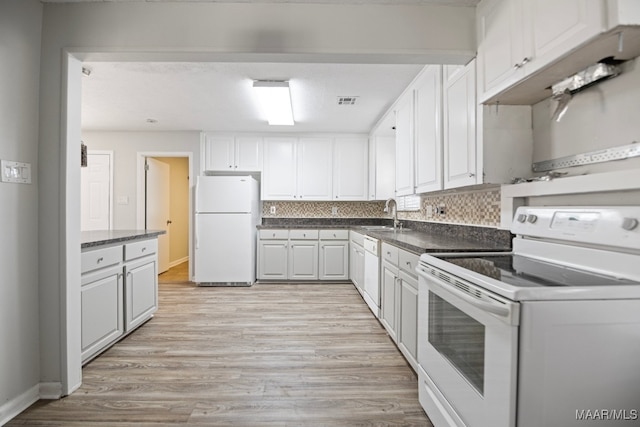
(272, 210)
(429, 211)
(440, 210)
(334, 210)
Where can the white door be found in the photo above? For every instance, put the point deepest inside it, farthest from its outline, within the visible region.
(158, 208)
(95, 199)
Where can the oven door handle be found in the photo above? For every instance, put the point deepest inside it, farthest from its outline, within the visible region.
(496, 307)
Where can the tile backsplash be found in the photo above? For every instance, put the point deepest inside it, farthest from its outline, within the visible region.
(479, 207)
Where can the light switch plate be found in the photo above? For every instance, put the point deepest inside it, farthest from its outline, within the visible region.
(16, 172)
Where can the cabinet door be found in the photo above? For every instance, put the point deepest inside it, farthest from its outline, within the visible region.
(334, 260)
(219, 153)
(404, 147)
(279, 169)
(303, 260)
(272, 259)
(356, 266)
(460, 129)
(315, 158)
(382, 168)
(248, 154)
(141, 291)
(101, 299)
(428, 131)
(408, 341)
(500, 34)
(557, 27)
(390, 299)
(350, 168)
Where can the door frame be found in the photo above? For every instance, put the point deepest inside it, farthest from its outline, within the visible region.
(110, 154)
(140, 190)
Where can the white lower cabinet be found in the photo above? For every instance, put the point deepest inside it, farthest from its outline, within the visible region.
(141, 291)
(408, 337)
(119, 292)
(102, 309)
(303, 260)
(334, 255)
(303, 254)
(399, 302)
(390, 298)
(356, 260)
(273, 254)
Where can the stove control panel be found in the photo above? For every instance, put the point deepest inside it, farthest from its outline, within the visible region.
(606, 226)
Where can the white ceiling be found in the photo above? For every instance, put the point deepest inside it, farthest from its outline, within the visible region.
(217, 96)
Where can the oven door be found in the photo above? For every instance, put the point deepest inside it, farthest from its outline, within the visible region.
(467, 352)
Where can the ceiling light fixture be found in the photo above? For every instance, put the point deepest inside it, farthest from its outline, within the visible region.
(275, 100)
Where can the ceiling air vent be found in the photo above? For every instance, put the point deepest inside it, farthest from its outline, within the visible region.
(347, 100)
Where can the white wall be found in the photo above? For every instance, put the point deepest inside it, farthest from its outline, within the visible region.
(179, 228)
(125, 146)
(196, 31)
(603, 116)
(20, 23)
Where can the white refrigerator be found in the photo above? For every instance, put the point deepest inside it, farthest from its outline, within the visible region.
(226, 216)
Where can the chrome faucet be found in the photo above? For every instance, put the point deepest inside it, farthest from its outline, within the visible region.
(395, 211)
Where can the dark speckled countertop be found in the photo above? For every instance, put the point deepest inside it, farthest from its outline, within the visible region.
(421, 236)
(95, 238)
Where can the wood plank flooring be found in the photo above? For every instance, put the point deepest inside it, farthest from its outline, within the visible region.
(268, 355)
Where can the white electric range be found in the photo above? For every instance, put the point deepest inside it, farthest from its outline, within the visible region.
(548, 335)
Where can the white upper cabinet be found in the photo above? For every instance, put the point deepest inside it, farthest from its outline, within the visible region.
(460, 163)
(232, 153)
(404, 145)
(315, 165)
(526, 46)
(428, 130)
(556, 27)
(279, 181)
(382, 167)
(248, 154)
(315, 168)
(350, 168)
(499, 26)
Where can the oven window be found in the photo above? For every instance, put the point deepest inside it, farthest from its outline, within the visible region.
(459, 338)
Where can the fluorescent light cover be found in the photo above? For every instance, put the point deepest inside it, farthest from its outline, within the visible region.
(275, 99)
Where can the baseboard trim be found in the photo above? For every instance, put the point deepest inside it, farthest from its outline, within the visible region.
(15, 406)
(50, 391)
(178, 261)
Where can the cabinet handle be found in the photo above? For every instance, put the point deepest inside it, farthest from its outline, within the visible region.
(388, 253)
(471, 175)
(99, 260)
(522, 63)
(236, 166)
(144, 249)
(230, 166)
(409, 263)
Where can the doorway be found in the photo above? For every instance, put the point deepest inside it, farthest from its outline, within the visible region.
(164, 186)
(96, 198)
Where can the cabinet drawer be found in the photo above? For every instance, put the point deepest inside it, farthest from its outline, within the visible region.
(140, 249)
(408, 261)
(274, 234)
(390, 253)
(356, 238)
(303, 234)
(334, 234)
(100, 258)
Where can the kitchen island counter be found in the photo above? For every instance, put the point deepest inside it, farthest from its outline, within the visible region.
(96, 238)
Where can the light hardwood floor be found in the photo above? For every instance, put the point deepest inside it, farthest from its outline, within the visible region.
(268, 355)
